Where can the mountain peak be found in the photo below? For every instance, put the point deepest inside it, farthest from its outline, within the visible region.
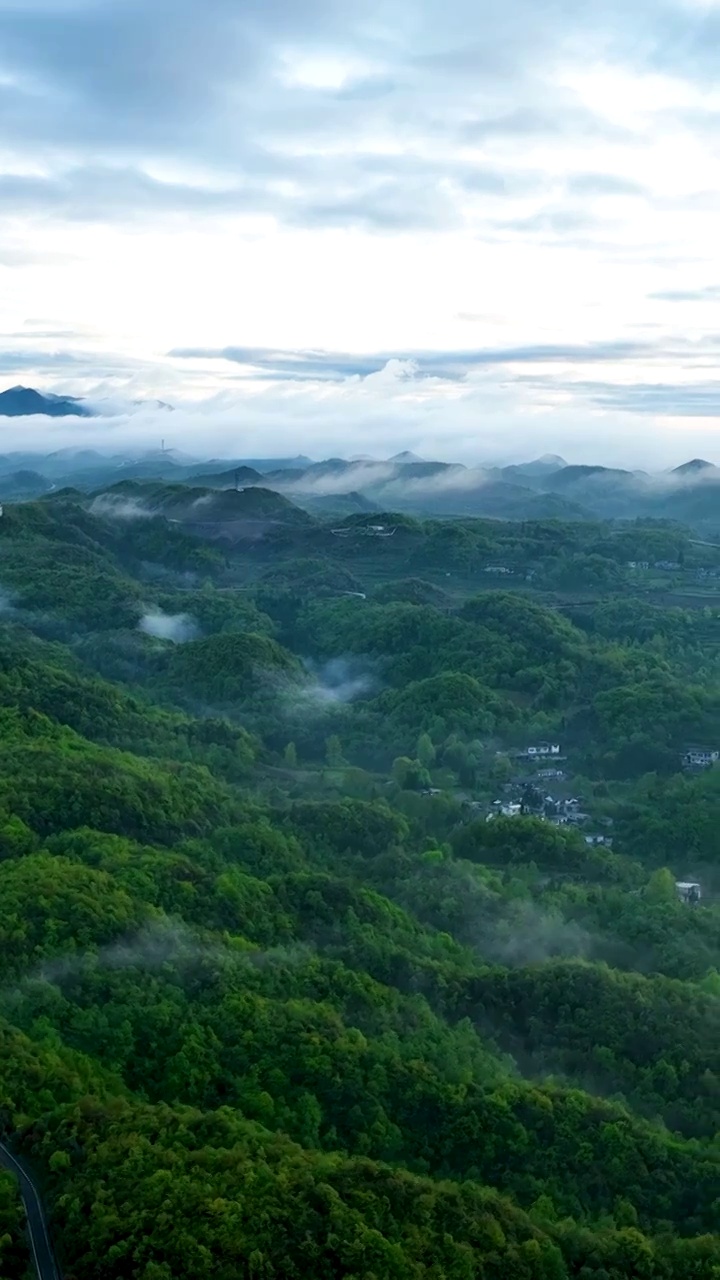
(22, 402)
(405, 458)
(688, 468)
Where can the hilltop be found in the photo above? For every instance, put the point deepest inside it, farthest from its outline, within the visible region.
(19, 402)
(229, 515)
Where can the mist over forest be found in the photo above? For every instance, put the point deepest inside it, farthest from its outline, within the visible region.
(359, 889)
(359, 640)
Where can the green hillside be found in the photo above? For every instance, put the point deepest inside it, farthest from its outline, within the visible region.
(287, 993)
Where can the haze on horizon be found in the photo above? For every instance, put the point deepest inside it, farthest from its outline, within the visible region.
(470, 230)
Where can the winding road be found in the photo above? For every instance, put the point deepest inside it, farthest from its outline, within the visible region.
(46, 1267)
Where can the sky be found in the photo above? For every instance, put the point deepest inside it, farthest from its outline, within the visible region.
(479, 231)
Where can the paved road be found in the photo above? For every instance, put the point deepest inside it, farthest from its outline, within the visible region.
(45, 1265)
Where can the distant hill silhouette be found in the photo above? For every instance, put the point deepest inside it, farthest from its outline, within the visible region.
(234, 501)
(549, 463)
(238, 476)
(693, 468)
(21, 402)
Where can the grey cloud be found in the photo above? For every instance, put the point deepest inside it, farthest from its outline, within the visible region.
(26, 359)
(99, 191)
(390, 193)
(685, 41)
(44, 334)
(367, 89)
(486, 182)
(119, 72)
(389, 207)
(75, 365)
(131, 64)
(708, 293)
(199, 82)
(603, 184)
(22, 256)
(321, 365)
(525, 123)
(552, 223)
(700, 400)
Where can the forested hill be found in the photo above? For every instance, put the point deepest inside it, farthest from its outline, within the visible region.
(338, 909)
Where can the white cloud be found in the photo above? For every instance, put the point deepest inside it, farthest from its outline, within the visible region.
(176, 627)
(360, 182)
(484, 418)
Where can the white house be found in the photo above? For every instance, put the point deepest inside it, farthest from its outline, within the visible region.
(688, 890)
(504, 810)
(700, 757)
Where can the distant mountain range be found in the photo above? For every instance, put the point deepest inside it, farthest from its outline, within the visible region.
(539, 489)
(689, 495)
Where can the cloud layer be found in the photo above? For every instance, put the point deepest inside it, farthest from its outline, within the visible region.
(292, 209)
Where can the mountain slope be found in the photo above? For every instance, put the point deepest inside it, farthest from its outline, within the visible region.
(19, 402)
(283, 1004)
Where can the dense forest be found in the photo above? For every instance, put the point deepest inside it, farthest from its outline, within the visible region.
(339, 911)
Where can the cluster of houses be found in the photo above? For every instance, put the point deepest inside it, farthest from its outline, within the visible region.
(541, 751)
(559, 813)
(702, 573)
(669, 566)
(504, 571)
(700, 757)
(365, 531)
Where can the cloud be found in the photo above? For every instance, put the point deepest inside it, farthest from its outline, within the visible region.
(312, 114)
(18, 256)
(43, 334)
(391, 193)
(706, 293)
(102, 191)
(603, 184)
(661, 399)
(438, 364)
(116, 506)
(12, 360)
(340, 190)
(383, 414)
(34, 360)
(335, 683)
(528, 123)
(582, 400)
(154, 98)
(176, 627)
